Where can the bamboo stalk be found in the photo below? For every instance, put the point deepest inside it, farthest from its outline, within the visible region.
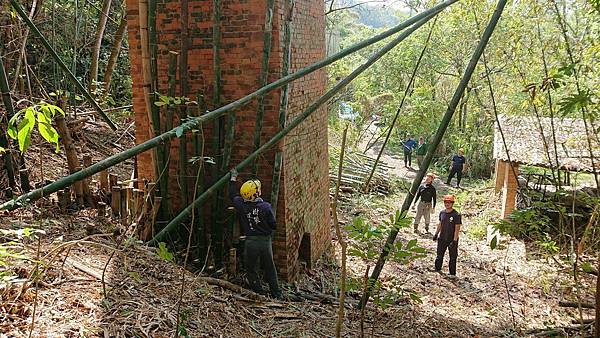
(184, 40)
(7, 100)
(194, 123)
(198, 145)
(406, 92)
(435, 142)
(93, 75)
(183, 159)
(114, 53)
(293, 124)
(283, 105)
(263, 78)
(217, 210)
(343, 244)
(62, 65)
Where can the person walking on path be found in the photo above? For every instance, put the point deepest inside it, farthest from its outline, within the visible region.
(457, 167)
(426, 205)
(446, 235)
(421, 151)
(258, 224)
(408, 145)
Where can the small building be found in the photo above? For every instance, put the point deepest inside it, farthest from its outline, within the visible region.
(530, 141)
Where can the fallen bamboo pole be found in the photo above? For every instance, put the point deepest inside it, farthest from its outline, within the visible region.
(62, 65)
(293, 124)
(194, 123)
(464, 81)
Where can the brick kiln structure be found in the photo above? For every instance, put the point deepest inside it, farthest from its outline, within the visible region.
(303, 206)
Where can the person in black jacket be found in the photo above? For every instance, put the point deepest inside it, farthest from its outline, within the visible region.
(447, 234)
(425, 208)
(258, 224)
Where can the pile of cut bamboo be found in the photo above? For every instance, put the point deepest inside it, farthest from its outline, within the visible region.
(355, 172)
(131, 202)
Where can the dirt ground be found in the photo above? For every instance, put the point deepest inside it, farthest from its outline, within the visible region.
(89, 283)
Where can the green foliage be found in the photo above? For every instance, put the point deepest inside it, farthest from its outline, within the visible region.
(163, 252)
(22, 124)
(367, 238)
(529, 222)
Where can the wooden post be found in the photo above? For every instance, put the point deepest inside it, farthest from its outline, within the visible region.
(104, 181)
(79, 196)
(64, 198)
(232, 262)
(101, 209)
(115, 204)
(155, 209)
(87, 162)
(24, 176)
(123, 205)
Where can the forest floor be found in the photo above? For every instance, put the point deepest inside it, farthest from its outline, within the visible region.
(91, 285)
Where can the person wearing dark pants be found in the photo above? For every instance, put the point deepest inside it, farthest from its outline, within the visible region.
(447, 235)
(457, 167)
(407, 146)
(258, 224)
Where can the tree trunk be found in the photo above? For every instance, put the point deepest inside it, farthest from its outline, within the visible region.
(114, 54)
(23, 45)
(97, 43)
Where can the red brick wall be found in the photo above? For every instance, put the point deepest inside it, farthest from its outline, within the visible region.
(303, 198)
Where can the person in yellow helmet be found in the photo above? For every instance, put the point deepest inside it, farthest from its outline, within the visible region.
(258, 224)
(446, 235)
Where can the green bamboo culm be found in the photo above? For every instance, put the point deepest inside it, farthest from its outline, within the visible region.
(217, 215)
(406, 92)
(62, 65)
(464, 81)
(7, 100)
(283, 105)
(183, 159)
(198, 145)
(264, 76)
(195, 123)
(293, 124)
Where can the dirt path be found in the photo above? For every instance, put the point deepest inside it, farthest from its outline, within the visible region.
(510, 289)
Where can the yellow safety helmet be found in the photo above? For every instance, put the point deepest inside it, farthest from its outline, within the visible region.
(250, 190)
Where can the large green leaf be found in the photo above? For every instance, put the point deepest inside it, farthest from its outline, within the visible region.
(46, 130)
(25, 128)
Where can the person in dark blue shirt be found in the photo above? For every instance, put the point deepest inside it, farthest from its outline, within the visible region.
(446, 235)
(258, 224)
(407, 146)
(457, 167)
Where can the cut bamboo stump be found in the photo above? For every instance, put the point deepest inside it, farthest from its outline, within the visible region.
(104, 181)
(24, 176)
(101, 206)
(115, 204)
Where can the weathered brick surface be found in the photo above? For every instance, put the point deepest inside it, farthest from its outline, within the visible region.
(303, 198)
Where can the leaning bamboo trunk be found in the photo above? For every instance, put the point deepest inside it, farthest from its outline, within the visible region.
(146, 73)
(114, 54)
(97, 44)
(7, 156)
